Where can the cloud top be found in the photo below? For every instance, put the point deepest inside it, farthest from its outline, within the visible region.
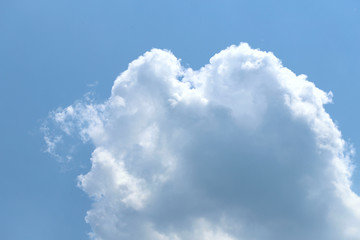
(241, 149)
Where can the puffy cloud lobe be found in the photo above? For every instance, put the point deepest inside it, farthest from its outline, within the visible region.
(241, 149)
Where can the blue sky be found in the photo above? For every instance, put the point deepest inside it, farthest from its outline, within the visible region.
(52, 51)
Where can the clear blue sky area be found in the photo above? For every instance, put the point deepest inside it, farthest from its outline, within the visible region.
(51, 51)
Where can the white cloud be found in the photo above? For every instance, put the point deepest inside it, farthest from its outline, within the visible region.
(241, 149)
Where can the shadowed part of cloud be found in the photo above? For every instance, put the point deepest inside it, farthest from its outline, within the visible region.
(241, 149)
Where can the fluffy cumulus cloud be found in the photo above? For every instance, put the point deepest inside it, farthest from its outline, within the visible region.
(241, 149)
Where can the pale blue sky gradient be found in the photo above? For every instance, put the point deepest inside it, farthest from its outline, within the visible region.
(50, 51)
